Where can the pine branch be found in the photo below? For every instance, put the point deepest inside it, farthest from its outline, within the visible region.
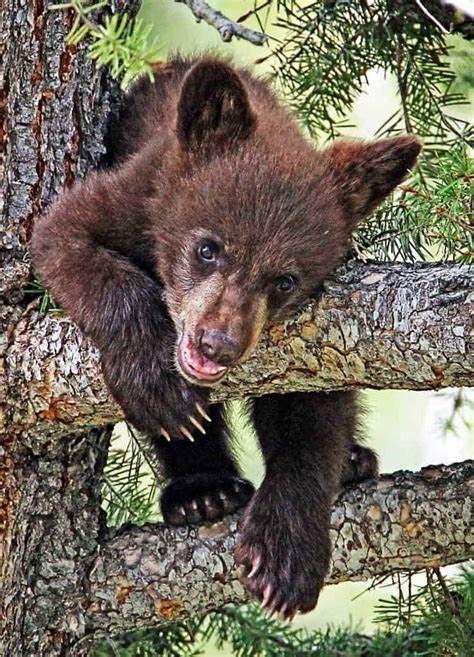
(430, 219)
(131, 481)
(118, 41)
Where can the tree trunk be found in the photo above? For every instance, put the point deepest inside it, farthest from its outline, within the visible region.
(64, 578)
(54, 534)
(56, 107)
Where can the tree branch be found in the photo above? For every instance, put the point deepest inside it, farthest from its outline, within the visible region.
(377, 326)
(430, 17)
(404, 521)
(226, 27)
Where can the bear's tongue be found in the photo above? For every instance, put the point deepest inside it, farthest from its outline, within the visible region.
(196, 364)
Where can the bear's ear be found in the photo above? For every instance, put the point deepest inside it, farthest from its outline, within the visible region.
(366, 172)
(213, 110)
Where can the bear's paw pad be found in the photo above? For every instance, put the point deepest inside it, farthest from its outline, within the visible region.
(203, 498)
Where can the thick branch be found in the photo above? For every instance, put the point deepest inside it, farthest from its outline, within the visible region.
(405, 521)
(226, 27)
(384, 326)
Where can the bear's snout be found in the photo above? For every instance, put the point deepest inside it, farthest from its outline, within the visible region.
(218, 346)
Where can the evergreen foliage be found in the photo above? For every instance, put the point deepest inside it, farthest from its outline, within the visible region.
(323, 63)
(36, 289)
(431, 219)
(131, 481)
(118, 42)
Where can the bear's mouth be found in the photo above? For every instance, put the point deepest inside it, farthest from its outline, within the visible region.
(195, 366)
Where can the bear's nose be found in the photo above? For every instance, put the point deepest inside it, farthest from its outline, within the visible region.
(218, 346)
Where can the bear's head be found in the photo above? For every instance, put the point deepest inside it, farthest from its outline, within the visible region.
(255, 217)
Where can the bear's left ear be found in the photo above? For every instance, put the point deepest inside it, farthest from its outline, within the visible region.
(213, 109)
(366, 172)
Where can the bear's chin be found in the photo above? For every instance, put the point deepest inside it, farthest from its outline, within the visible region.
(195, 368)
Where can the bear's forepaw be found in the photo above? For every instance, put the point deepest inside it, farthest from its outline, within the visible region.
(284, 560)
(201, 498)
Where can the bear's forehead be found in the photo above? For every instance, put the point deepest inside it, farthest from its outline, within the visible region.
(262, 202)
(253, 257)
(270, 215)
(250, 227)
(264, 180)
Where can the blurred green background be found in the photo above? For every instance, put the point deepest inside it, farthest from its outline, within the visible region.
(406, 428)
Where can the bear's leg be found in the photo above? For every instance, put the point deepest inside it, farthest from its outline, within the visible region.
(205, 482)
(284, 543)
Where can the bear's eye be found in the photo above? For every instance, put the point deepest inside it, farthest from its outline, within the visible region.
(286, 284)
(208, 251)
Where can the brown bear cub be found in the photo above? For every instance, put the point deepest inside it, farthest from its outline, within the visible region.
(216, 219)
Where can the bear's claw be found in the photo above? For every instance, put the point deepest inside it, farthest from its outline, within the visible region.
(198, 426)
(202, 412)
(186, 433)
(184, 430)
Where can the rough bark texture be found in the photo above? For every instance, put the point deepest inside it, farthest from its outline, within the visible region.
(55, 110)
(405, 521)
(55, 533)
(56, 107)
(62, 577)
(377, 326)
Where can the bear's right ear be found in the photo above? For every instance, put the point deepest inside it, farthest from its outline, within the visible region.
(213, 109)
(366, 172)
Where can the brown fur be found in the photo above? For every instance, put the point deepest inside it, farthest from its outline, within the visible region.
(207, 156)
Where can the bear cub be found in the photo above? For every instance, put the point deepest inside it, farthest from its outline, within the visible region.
(215, 219)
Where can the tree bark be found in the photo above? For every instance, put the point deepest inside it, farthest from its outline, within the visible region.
(53, 541)
(55, 107)
(61, 572)
(405, 521)
(377, 326)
